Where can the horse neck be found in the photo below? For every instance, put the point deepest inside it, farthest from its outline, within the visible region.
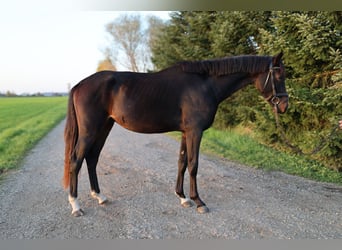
(225, 86)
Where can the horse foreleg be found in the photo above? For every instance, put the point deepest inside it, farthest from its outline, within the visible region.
(82, 146)
(193, 140)
(182, 164)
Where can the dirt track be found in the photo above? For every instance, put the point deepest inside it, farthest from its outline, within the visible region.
(137, 173)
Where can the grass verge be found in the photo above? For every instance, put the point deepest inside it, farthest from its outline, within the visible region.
(242, 148)
(23, 122)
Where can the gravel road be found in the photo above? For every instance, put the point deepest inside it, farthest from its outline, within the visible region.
(137, 173)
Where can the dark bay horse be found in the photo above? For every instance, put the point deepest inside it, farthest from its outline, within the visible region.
(184, 97)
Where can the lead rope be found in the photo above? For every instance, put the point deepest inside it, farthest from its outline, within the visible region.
(295, 148)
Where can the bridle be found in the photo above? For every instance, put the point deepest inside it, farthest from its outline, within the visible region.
(275, 97)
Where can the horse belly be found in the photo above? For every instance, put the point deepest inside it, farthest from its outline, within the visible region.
(148, 122)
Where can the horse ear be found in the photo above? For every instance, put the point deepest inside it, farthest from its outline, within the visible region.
(277, 58)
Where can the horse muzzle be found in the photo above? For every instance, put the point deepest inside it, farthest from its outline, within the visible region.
(280, 103)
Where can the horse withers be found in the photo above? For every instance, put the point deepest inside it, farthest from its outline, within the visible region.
(184, 98)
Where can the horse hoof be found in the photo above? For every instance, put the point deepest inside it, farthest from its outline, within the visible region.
(78, 213)
(186, 202)
(103, 202)
(203, 209)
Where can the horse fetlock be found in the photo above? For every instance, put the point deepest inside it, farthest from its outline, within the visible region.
(186, 202)
(76, 209)
(100, 197)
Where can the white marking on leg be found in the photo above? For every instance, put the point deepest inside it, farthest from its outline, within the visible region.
(74, 204)
(100, 197)
(185, 201)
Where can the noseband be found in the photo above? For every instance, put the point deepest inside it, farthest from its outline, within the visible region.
(274, 98)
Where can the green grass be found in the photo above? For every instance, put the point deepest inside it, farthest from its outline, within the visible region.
(23, 122)
(242, 148)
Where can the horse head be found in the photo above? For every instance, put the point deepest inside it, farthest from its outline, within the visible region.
(271, 84)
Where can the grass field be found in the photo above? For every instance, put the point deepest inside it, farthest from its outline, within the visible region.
(23, 122)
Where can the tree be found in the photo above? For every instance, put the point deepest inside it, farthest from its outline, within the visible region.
(185, 37)
(237, 32)
(155, 29)
(10, 93)
(132, 37)
(312, 43)
(106, 64)
(128, 36)
(199, 35)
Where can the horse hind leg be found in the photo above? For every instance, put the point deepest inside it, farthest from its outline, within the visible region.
(92, 160)
(95, 190)
(87, 147)
(75, 167)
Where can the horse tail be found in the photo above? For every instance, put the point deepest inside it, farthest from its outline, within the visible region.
(70, 137)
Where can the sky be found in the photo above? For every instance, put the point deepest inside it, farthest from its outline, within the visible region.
(47, 49)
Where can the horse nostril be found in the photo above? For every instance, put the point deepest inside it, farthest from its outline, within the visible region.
(280, 107)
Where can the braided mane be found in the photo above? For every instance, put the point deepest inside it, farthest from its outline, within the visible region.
(228, 65)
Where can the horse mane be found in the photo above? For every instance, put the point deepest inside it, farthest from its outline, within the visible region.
(228, 65)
